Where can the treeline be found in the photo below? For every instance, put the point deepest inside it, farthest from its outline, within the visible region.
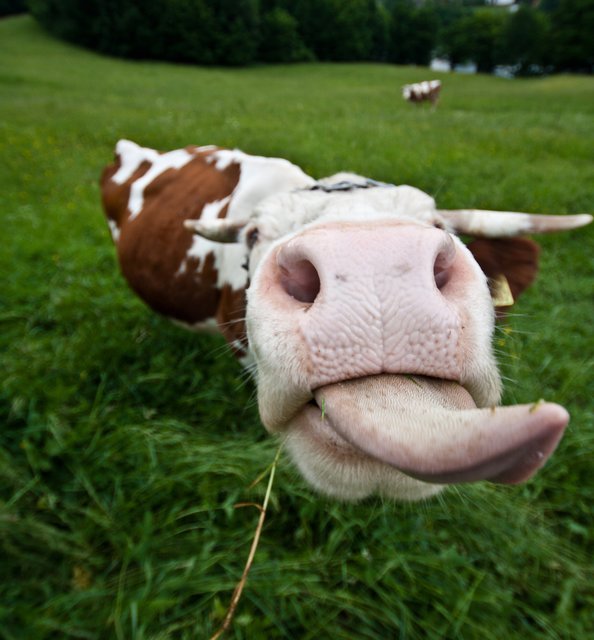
(11, 7)
(554, 36)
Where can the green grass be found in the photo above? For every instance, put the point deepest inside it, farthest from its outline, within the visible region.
(125, 442)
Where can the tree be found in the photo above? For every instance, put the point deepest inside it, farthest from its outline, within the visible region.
(186, 31)
(477, 37)
(203, 31)
(236, 24)
(487, 38)
(380, 28)
(413, 33)
(525, 37)
(10, 7)
(456, 43)
(280, 39)
(572, 35)
(548, 6)
(339, 30)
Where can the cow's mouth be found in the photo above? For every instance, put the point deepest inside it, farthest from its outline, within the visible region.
(432, 430)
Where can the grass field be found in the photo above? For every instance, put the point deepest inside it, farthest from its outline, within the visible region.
(125, 442)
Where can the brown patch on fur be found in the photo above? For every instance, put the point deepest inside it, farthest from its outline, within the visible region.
(153, 246)
(515, 258)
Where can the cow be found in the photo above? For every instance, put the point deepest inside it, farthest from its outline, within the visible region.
(419, 92)
(366, 320)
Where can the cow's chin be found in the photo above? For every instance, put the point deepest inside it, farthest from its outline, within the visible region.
(406, 436)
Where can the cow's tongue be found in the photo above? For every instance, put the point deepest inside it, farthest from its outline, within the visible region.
(432, 430)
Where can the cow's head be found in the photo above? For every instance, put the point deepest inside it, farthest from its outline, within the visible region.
(370, 325)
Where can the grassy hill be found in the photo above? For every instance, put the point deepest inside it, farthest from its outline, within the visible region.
(125, 442)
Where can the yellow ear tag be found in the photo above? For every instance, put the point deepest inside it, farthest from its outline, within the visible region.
(500, 292)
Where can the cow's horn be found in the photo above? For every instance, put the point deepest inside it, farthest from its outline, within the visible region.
(219, 230)
(506, 224)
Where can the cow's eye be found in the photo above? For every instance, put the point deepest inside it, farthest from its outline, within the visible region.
(251, 238)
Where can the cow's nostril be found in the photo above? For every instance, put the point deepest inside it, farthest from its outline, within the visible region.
(300, 280)
(441, 276)
(442, 268)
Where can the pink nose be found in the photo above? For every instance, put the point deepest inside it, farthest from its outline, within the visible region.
(372, 298)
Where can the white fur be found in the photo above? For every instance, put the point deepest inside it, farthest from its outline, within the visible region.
(114, 230)
(131, 157)
(259, 177)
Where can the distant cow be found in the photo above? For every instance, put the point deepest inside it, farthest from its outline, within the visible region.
(427, 91)
(366, 319)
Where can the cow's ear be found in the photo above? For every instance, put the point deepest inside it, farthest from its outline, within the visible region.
(516, 259)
